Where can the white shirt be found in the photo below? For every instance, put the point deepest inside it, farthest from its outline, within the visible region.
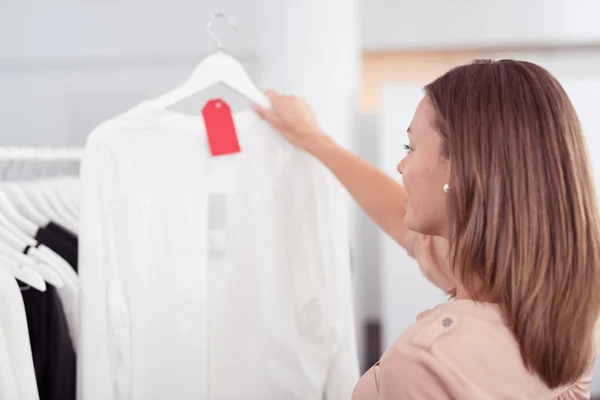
(68, 293)
(264, 312)
(69, 297)
(17, 375)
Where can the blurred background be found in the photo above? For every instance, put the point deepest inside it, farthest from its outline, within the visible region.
(66, 66)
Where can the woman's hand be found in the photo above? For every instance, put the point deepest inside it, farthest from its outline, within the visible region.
(294, 118)
(378, 194)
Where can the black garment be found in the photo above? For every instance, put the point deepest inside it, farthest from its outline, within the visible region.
(51, 346)
(61, 241)
(63, 232)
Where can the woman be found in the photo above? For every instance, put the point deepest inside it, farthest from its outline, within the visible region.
(499, 208)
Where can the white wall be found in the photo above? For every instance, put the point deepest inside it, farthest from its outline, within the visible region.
(435, 24)
(60, 106)
(36, 29)
(98, 29)
(67, 65)
(585, 95)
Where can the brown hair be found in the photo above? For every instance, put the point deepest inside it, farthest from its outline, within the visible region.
(523, 208)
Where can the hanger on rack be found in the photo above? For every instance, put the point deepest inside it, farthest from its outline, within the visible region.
(45, 271)
(47, 204)
(43, 199)
(23, 252)
(60, 204)
(20, 218)
(16, 227)
(218, 68)
(24, 274)
(10, 212)
(23, 266)
(38, 201)
(68, 193)
(11, 259)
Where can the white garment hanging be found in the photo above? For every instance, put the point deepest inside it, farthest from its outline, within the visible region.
(9, 389)
(68, 294)
(18, 358)
(270, 319)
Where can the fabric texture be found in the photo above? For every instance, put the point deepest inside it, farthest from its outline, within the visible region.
(61, 241)
(458, 350)
(17, 374)
(64, 244)
(69, 296)
(63, 232)
(51, 346)
(250, 299)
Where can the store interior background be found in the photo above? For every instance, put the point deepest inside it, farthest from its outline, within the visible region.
(68, 65)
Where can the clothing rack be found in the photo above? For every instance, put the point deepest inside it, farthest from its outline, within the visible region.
(39, 247)
(43, 154)
(26, 163)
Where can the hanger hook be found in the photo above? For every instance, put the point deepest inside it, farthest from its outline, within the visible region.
(214, 37)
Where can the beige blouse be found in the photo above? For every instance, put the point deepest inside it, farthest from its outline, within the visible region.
(459, 350)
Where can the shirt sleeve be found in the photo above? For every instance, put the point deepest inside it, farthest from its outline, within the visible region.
(431, 253)
(344, 370)
(97, 372)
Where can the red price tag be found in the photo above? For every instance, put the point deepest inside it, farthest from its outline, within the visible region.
(220, 129)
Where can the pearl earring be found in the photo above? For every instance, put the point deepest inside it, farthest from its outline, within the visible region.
(446, 188)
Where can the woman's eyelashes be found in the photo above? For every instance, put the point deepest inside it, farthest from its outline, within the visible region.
(407, 148)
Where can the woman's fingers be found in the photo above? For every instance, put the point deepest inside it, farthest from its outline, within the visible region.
(268, 115)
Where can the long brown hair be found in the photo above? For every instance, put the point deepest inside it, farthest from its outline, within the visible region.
(523, 208)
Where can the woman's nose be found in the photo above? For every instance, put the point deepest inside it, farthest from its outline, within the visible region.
(400, 166)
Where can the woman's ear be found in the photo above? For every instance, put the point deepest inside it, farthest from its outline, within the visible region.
(447, 167)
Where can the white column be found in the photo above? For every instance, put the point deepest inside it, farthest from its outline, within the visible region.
(311, 48)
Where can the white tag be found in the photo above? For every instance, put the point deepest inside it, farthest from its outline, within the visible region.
(223, 184)
(217, 243)
(217, 225)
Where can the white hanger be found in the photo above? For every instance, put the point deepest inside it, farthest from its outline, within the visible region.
(57, 205)
(44, 267)
(12, 246)
(14, 221)
(13, 215)
(9, 238)
(39, 200)
(14, 230)
(48, 257)
(45, 271)
(72, 189)
(43, 205)
(24, 274)
(20, 199)
(218, 68)
(61, 188)
(62, 267)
